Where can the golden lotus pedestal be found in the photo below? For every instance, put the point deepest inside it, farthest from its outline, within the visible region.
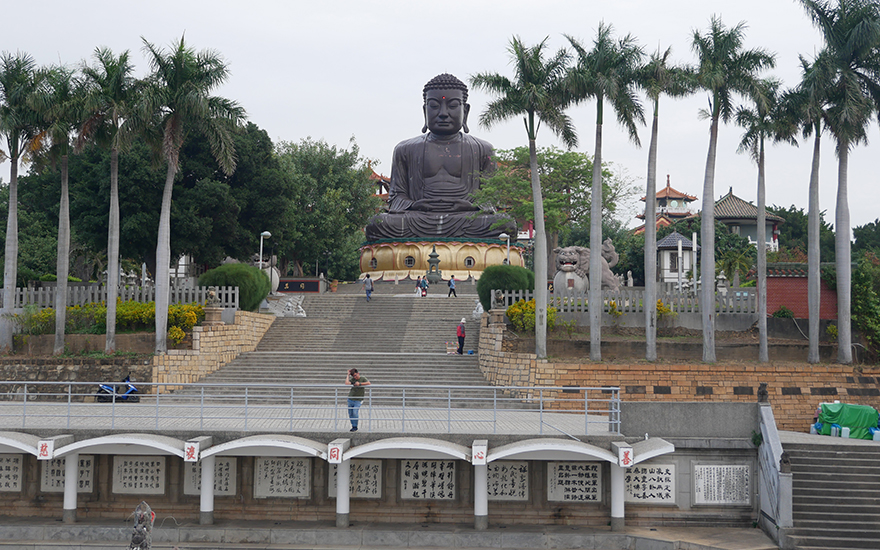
(389, 260)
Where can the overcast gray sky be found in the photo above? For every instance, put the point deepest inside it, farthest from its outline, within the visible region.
(334, 70)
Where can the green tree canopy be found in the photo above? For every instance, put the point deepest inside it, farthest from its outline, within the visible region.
(867, 238)
(333, 197)
(793, 233)
(566, 179)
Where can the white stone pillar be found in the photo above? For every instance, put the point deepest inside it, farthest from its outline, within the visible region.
(71, 473)
(617, 496)
(481, 497)
(206, 501)
(480, 460)
(343, 480)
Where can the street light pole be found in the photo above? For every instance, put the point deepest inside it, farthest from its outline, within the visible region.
(507, 237)
(263, 235)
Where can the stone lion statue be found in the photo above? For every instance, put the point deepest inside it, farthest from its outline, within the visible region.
(573, 268)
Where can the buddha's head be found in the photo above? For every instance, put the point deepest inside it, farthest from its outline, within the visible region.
(446, 108)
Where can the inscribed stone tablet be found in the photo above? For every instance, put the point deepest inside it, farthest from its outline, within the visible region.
(52, 480)
(574, 481)
(508, 480)
(365, 480)
(224, 477)
(139, 475)
(722, 484)
(10, 473)
(282, 477)
(650, 483)
(427, 479)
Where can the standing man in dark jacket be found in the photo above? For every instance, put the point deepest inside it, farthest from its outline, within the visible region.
(355, 395)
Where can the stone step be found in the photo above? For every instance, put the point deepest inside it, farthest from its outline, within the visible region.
(832, 541)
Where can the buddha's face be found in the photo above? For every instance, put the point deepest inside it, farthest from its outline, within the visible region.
(445, 111)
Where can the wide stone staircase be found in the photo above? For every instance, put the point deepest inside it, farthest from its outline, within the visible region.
(395, 339)
(835, 495)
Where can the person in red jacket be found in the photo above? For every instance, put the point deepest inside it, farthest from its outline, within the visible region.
(460, 334)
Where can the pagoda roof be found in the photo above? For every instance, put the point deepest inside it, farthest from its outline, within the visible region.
(732, 207)
(670, 192)
(671, 241)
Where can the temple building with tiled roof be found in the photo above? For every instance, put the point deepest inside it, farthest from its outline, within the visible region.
(742, 219)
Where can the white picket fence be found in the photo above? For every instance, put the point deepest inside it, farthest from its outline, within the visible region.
(44, 296)
(631, 300)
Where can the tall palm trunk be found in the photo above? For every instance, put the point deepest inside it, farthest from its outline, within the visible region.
(112, 253)
(10, 265)
(814, 288)
(62, 262)
(163, 262)
(651, 245)
(540, 255)
(763, 353)
(707, 236)
(595, 303)
(843, 260)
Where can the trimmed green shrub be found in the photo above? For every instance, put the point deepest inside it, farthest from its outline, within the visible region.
(503, 277)
(253, 284)
(783, 313)
(51, 278)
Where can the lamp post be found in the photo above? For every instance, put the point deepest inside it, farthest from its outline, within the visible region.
(263, 235)
(506, 237)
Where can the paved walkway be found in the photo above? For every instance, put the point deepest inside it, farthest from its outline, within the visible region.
(46, 535)
(284, 418)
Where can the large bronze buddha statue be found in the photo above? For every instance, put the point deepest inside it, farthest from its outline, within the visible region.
(433, 175)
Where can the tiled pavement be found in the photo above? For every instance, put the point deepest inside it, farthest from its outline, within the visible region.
(284, 418)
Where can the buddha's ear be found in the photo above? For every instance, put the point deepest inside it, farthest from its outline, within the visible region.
(425, 116)
(467, 109)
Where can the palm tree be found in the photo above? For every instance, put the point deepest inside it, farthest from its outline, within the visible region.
(59, 102)
(19, 125)
(176, 99)
(766, 120)
(607, 71)
(537, 93)
(112, 93)
(807, 103)
(723, 70)
(657, 77)
(851, 30)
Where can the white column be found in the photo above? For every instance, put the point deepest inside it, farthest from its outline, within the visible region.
(617, 495)
(343, 480)
(481, 496)
(71, 473)
(206, 502)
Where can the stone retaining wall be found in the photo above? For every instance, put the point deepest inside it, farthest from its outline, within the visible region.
(795, 388)
(212, 347)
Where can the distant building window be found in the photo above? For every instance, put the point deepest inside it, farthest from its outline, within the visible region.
(470, 262)
(734, 229)
(673, 261)
(409, 261)
(373, 263)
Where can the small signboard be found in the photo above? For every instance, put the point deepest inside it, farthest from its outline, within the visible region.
(299, 285)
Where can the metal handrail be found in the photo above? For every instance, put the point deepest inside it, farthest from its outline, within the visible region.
(313, 407)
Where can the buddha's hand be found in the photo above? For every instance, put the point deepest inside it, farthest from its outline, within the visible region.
(443, 205)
